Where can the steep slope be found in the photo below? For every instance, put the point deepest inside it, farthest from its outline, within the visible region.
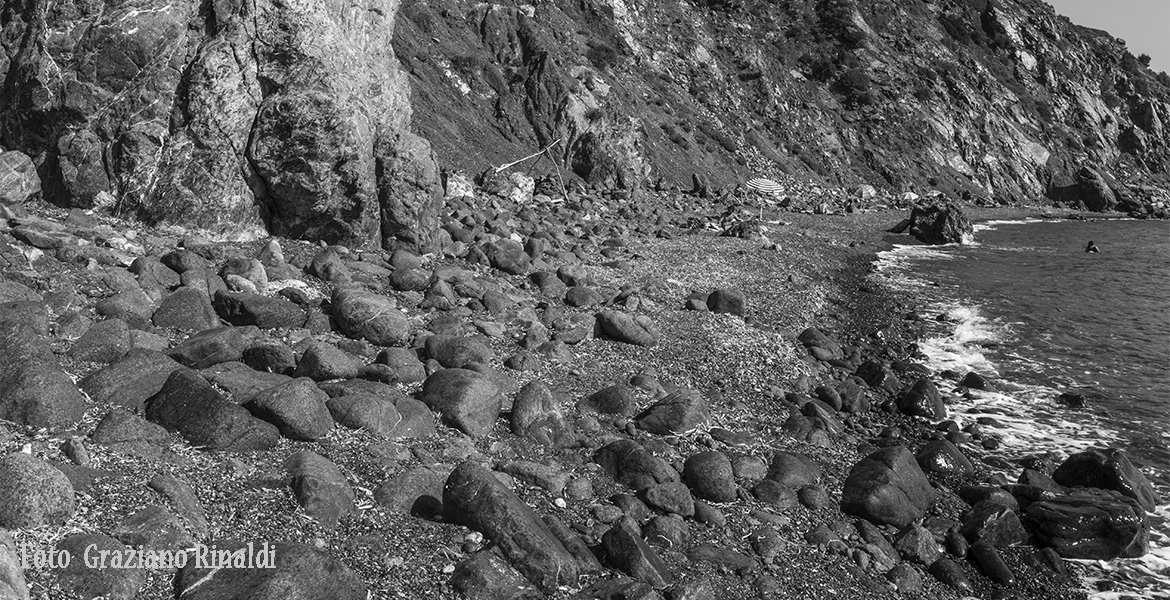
(1001, 100)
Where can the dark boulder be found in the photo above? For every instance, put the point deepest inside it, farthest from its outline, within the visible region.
(941, 457)
(1108, 469)
(711, 477)
(887, 488)
(627, 462)
(922, 400)
(467, 400)
(297, 408)
(365, 315)
(188, 404)
(1091, 524)
(941, 224)
(321, 489)
(681, 411)
(265, 312)
(617, 325)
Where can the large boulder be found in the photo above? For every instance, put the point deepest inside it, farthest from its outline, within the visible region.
(18, 177)
(1091, 524)
(320, 487)
(290, 115)
(188, 404)
(922, 400)
(474, 497)
(468, 400)
(941, 224)
(33, 493)
(1108, 469)
(887, 488)
(681, 411)
(365, 315)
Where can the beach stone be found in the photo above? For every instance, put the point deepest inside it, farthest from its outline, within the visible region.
(813, 497)
(575, 274)
(711, 476)
(106, 342)
(474, 497)
(297, 408)
(86, 582)
(508, 256)
(667, 531)
(130, 381)
(410, 279)
(922, 400)
(182, 498)
(366, 411)
(628, 552)
(582, 296)
(879, 376)
(13, 291)
(186, 309)
(815, 338)
(975, 381)
(950, 573)
(456, 352)
(38, 394)
(418, 421)
(639, 331)
(403, 363)
(154, 528)
(906, 580)
(188, 404)
(876, 544)
(775, 494)
(240, 381)
(629, 463)
(670, 497)
(550, 286)
(323, 362)
(887, 487)
(1108, 469)
(992, 563)
(265, 312)
(941, 457)
(321, 489)
(13, 585)
(133, 306)
(681, 411)
(751, 468)
(631, 507)
(467, 400)
(536, 415)
(250, 270)
(611, 400)
(486, 575)
(767, 543)
(916, 544)
(210, 347)
(552, 479)
(974, 494)
(369, 316)
(995, 523)
(727, 300)
(301, 572)
(33, 493)
(418, 491)
(125, 432)
(1091, 524)
(722, 557)
(270, 356)
(793, 470)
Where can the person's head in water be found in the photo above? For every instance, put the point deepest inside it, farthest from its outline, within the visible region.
(1092, 248)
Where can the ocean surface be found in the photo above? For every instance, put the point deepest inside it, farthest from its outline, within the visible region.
(1026, 306)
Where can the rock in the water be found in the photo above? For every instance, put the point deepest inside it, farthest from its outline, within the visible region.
(887, 487)
(1091, 524)
(629, 463)
(922, 400)
(33, 493)
(620, 326)
(320, 487)
(941, 224)
(189, 405)
(681, 411)
(369, 316)
(301, 573)
(473, 496)
(1108, 469)
(710, 476)
(626, 550)
(467, 400)
(297, 408)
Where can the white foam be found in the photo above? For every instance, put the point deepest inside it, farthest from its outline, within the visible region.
(994, 224)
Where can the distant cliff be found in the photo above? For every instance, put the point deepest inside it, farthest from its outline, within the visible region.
(1002, 100)
(297, 116)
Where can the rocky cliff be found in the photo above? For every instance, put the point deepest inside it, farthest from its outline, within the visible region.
(1002, 100)
(295, 116)
(227, 115)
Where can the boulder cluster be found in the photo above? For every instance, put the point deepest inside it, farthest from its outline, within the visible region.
(144, 349)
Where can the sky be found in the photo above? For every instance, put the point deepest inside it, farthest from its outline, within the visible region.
(1143, 24)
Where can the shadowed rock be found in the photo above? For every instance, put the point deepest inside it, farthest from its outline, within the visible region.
(888, 488)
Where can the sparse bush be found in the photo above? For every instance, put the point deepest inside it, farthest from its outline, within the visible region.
(603, 56)
(467, 64)
(1144, 59)
(855, 85)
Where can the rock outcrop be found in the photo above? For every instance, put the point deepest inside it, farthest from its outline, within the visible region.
(228, 116)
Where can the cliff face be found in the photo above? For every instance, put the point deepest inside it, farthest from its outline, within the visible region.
(295, 116)
(226, 115)
(1002, 100)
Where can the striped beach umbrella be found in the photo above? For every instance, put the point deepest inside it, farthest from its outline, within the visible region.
(765, 186)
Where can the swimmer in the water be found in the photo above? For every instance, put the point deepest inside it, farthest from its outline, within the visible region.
(1092, 248)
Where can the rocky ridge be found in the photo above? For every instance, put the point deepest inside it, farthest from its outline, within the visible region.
(590, 398)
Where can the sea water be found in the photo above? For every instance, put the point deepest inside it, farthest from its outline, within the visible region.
(1026, 306)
